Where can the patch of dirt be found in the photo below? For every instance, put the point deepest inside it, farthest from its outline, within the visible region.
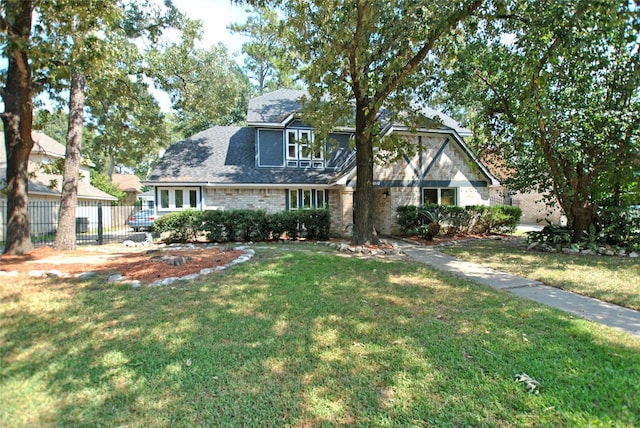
(146, 264)
(458, 237)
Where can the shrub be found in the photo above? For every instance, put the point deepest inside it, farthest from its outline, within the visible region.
(245, 225)
(408, 218)
(315, 223)
(552, 235)
(182, 226)
(619, 226)
(455, 219)
(284, 223)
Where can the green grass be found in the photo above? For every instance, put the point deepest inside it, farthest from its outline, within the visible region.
(612, 279)
(304, 337)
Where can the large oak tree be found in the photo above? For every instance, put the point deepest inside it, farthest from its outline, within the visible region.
(17, 95)
(363, 57)
(556, 87)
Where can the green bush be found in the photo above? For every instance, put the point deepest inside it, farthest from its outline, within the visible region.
(552, 235)
(503, 218)
(455, 219)
(315, 223)
(619, 226)
(285, 223)
(244, 225)
(182, 226)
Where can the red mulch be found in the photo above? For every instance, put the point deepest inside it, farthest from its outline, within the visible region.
(135, 264)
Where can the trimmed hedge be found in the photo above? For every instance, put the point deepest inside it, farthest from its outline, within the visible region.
(455, 219)
(243, 225)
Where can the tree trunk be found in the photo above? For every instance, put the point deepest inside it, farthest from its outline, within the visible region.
(363, 228)
(17, 119)
(582, 218)
(66, 234)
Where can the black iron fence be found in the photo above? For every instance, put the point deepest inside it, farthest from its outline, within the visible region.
(96, 223)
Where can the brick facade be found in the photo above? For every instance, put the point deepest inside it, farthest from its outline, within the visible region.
(269, 200)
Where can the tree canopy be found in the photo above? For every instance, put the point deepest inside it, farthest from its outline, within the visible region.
(556, 91)
(206, 86)
(270, 60)
(361, 57)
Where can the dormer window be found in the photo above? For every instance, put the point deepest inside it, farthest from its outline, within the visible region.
(300, 150)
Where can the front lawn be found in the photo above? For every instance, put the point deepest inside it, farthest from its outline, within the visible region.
(612, 279)
(301, 336)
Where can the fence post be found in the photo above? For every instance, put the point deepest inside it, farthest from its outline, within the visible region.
(100, 231)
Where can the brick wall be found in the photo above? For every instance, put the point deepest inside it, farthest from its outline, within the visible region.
(269, 200)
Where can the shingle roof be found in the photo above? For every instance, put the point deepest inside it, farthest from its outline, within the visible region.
(40, 183)
(225, 155)
(275, 106)
(127, 182)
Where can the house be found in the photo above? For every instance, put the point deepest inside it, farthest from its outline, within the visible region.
(130, 184)
(537, 208)
(45, 188)
(270, 165)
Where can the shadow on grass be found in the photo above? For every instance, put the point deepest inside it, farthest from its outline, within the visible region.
(306, 339)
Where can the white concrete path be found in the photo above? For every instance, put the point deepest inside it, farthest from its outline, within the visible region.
(585, 307)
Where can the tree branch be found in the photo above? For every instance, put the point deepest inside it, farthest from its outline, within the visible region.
(435, 34)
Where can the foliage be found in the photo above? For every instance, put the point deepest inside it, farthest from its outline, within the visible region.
(206, 86)
(269, 60)
(301, 336)
(102, 182)
(182, 226)
(553, 235)
(363, 61)
(243, 225)
(556, 91)
(236, 225)
(454, 219)
(617, 227)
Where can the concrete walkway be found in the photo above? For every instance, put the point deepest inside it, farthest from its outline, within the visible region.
(585, 307)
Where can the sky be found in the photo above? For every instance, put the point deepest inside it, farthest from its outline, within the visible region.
(215, 15)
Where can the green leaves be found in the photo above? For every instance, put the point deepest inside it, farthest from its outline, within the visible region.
(556, 98)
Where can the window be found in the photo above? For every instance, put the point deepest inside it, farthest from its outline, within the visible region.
(164, 199)
(293, 200)
(300, 150)
(440, 196)
(179, 198)
(306, 199)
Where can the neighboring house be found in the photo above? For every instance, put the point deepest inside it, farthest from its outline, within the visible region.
(269, 165)
(44, 189)
(130, 184)
(534, 205)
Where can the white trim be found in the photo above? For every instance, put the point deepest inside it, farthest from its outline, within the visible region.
(282, 124)
(186, 198)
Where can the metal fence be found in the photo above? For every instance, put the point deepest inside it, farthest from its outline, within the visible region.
(96, 223)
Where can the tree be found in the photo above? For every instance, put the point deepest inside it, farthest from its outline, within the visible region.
(270, 61)
(366, 57)
(128, 125)
(17, 95)
(557, 91)
(91, 41)
(206, 87)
